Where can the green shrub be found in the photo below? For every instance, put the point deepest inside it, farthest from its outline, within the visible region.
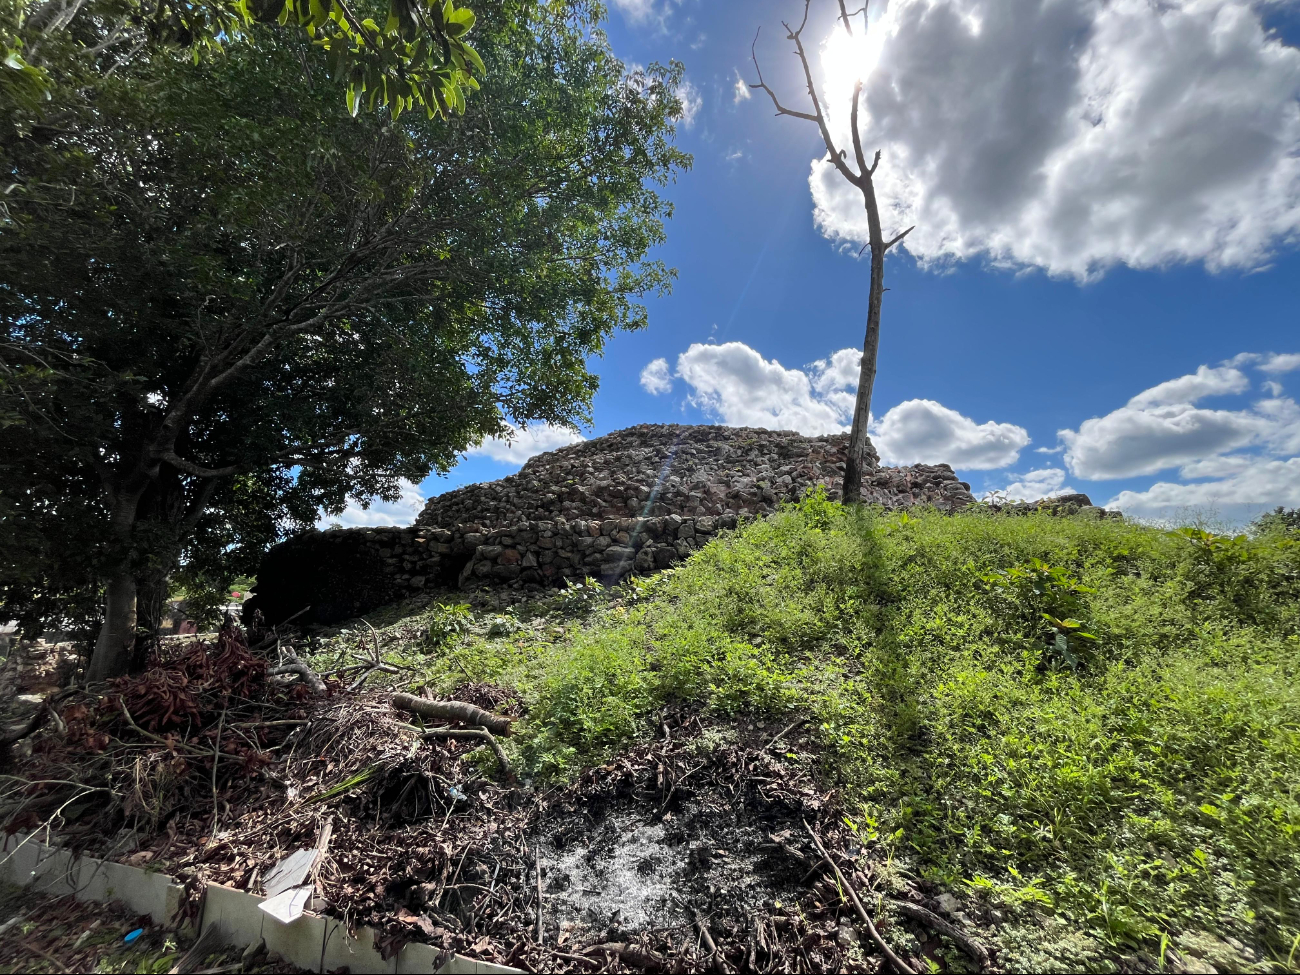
(1093, 725)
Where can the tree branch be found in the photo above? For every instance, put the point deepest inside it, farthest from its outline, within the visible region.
(817, 115)
(298, 455)
(900, 237)
(845, 14)
(780, 109)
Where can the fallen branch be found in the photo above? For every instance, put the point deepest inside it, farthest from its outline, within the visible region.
(579, 960)
(374, 633)
(537, 861)
(630, 954)
(29, 727)
(479, 734)
(452, 711)
(899, 965)
(59, 965)
(216, 760)
(967, 944)
(169, 743)
(296, 666)
(43, 711)
(719, 961)
(370, 669)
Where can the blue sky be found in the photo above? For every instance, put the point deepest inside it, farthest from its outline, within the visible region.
(1101, 290)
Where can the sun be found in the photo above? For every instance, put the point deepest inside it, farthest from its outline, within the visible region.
(848, 59)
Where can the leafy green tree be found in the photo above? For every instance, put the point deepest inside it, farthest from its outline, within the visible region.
(1279, 521)
(227, 303)
(417, 56)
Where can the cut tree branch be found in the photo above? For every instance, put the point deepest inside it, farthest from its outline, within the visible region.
(452, 711)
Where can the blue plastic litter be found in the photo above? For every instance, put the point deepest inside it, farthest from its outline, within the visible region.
(133, 935)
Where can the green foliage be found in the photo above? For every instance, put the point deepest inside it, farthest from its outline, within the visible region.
(1144, 798)
(446, 625)
(227, 304)
(1279, 521)
(580, 597)
(1037, 591)
(410, 53)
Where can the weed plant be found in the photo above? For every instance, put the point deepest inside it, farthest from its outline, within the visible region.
(1091, 726)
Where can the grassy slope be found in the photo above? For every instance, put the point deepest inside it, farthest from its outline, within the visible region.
(1101, 794)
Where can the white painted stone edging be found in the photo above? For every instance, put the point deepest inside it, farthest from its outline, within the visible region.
(314, 942)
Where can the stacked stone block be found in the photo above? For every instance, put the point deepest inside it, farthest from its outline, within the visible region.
(635, 501)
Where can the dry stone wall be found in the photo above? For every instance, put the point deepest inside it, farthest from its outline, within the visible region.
(633, 501)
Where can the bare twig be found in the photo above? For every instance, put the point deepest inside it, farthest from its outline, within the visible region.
(216, 760)
(480, 734)
(374, 633)
(899, 965)
(719, 962)
(159, 738)
(891, 243)
(86, 790)
(59, 965)
(785, 731)
(33, 724)
(967, 944)
(537, 860)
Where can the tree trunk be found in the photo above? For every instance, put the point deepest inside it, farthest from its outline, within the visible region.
(117, 634)
(116, 640)
(855, 464)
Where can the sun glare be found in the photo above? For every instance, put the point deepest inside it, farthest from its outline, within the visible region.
(847, 59)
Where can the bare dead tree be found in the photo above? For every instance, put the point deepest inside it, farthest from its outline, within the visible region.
(861, 177)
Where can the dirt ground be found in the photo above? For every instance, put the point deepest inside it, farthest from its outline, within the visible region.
(47, 934)
(690, 852)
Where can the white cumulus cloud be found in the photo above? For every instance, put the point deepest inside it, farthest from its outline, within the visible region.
(1074, 135)
(1255, 486)
(1223, 381)
(1232, 461)
(1163, 427)
(740, 92)
(736, 385)
(691, 101)
(525, 442)
(1130, 441)
(835, 380)
(400, 512)
(649, 13)
(657, 377)
(1047, 482)
(1277, 364)
(921, 431)
(637, 11)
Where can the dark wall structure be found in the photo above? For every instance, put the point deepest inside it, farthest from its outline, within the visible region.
(634, 501)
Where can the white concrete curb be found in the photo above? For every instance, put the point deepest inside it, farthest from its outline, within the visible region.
(314, 942)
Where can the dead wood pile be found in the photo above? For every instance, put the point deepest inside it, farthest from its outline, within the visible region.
(213, 769)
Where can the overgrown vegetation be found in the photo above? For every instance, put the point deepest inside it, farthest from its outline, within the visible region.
(266, 306)
(1091, 727)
